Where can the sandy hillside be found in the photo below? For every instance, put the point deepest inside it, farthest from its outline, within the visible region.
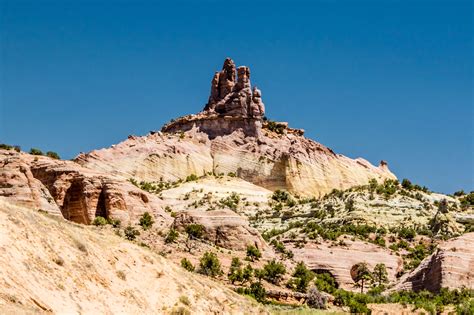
(51, 265)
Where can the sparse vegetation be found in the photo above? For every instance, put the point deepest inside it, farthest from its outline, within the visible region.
(302, 277)
(186, 264)
(146, 221)
(172, 236)
(273, 271)
(53, 155)
(99, 221)
(210, 265)
(253, 253)
(230, 202)
(131, 233)
(34, 151)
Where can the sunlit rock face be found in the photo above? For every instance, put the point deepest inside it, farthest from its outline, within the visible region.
(231, 135)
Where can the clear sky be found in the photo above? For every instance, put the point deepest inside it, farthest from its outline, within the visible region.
(389, 80)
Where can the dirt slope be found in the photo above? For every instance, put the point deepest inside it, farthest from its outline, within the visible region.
(54, 266)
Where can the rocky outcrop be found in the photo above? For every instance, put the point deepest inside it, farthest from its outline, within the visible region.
(79, 194)
(230, 135)
(223, 228)
(338, 261)
(232, 95)
(451, 266)
(289, 162)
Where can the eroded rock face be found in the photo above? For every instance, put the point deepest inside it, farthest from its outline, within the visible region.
(79, 194)
(232, 95)
(338, 261)
(223, 228)
(451, 266)
(289, 162)
(230, 135)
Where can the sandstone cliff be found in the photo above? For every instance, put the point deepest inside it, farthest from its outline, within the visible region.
(78, 194)
(231, 135)
(451, 266)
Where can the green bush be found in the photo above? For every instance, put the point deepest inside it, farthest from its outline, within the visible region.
(210, 265)
(325, 282)
(53, 155)
(114, 222)
(253, 253)
(35, 151)
(186, 264)
(231, 201)
(407, 233)
(99, 221)
(235, 271)
(302, 276)
(275, 127)
(191, 178)
(131, 233)
(172, 236)
(407, 184)
(274, 271)
(146, 221)
(194, 231)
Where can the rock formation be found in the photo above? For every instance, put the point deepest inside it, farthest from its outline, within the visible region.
(338, 261)
(230, 135)
(79, 194)
(231, 97)
(223, 228)
(451, 266)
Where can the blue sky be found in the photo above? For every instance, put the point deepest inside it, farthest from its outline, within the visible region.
(389, 80)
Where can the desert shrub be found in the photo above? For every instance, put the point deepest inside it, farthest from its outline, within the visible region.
(275, 127)
(253, 253)
(274, 271)
(232, 174)
(210, 265)
(459, 193)
(349, 205)
(121, 275)
(407, 184)
(53, 155)
(5, 146)
(325, 282)
(247, 273)
(192, 178)
(186, 264)
(407, 233)
(98, 221)
(231, 201)
(302, 276)
(146, 221)
(35, 151)
(172, 236)
(194, 230)
(467, 200)
(235, 271)
(256, 290)
(315, 299)
(131, 233)
(114, 222)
